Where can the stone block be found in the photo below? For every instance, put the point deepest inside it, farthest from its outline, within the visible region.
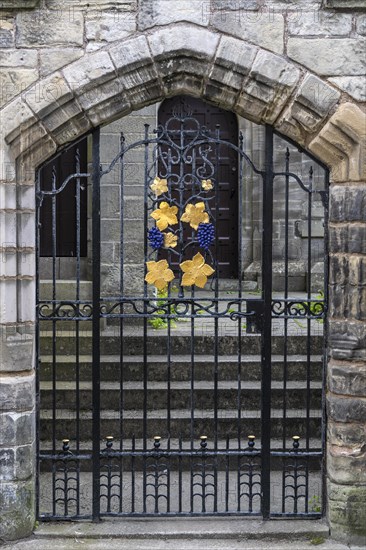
(348, 302)
(17, 428)
(89, 72)
(347, 340)
(163, 12)
(14, 82)
(343, 434)
(235, 4)
(110, 202)
(20, 59)
(17, 393)
(139, 78)
(337, 53)
(268, 87)
(313, 102)
(347, 203)
(16, 463)
(17, 4)
(183, 57)
(102, 27)
(118, 5)
(352, 85)
(232, 64)
(16, 352)
(347, 378)
(17, 500)
(346, 466)
(347, 512)
(342, 4)
(52, 59)
(346, 409)
(361, 24)
(313, 23)
(47, 28)
(339, 144)
(264, 28)
(105, 102)
(7, 31)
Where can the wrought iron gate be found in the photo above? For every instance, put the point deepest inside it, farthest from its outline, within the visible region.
(173, 392)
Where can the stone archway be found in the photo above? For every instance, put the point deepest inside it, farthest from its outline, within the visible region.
(256, 84)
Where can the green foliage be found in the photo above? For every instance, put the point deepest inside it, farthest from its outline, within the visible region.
(317, 540)
(157, 321)
(315, 504)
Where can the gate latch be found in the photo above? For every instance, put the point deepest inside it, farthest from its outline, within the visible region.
(255, 321)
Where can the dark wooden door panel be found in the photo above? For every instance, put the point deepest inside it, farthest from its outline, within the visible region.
(224, 207)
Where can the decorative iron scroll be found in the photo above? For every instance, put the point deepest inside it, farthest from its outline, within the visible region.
(183, 142)
(68, 311)
(304, 308)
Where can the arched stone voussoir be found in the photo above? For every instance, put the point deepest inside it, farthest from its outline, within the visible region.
(53, 102)
(341, 144)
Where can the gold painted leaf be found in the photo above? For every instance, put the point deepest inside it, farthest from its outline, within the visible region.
(159, 186)
(165, 215)
(196, 271)
(195, 214)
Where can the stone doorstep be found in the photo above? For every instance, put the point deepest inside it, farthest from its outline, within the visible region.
(189, 528)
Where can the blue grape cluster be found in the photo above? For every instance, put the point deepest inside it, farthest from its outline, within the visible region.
(156, 238)
(205, 235)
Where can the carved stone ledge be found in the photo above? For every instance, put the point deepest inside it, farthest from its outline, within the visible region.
(18, 4)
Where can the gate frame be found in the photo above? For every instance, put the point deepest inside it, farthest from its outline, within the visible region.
(49, 310)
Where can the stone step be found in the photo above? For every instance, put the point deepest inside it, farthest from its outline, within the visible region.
(65, 289)
(180, 343)
(64, 423)
(229, 533)
(179, 395)
(180, 367)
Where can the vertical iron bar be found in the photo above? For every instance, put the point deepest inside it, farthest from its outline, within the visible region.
(309, 321)
(309, 326)
(145, 375)
(267, 322)
(54, 378)
(240, 291)
(325, 200)
(180, 474)
(96, 322)
(121, 320)
(285, 348)
(39, 198)
(216, 319)
(133, 473)
(77, 335)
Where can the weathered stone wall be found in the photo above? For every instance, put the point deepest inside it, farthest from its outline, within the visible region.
(70, 65)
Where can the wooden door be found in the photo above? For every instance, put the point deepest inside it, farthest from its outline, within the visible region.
(226, 207)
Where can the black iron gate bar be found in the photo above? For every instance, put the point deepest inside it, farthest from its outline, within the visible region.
(263, 309)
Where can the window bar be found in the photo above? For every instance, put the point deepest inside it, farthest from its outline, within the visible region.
(285, 348)
(145, 368)
(121, 320)
(96, 324)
